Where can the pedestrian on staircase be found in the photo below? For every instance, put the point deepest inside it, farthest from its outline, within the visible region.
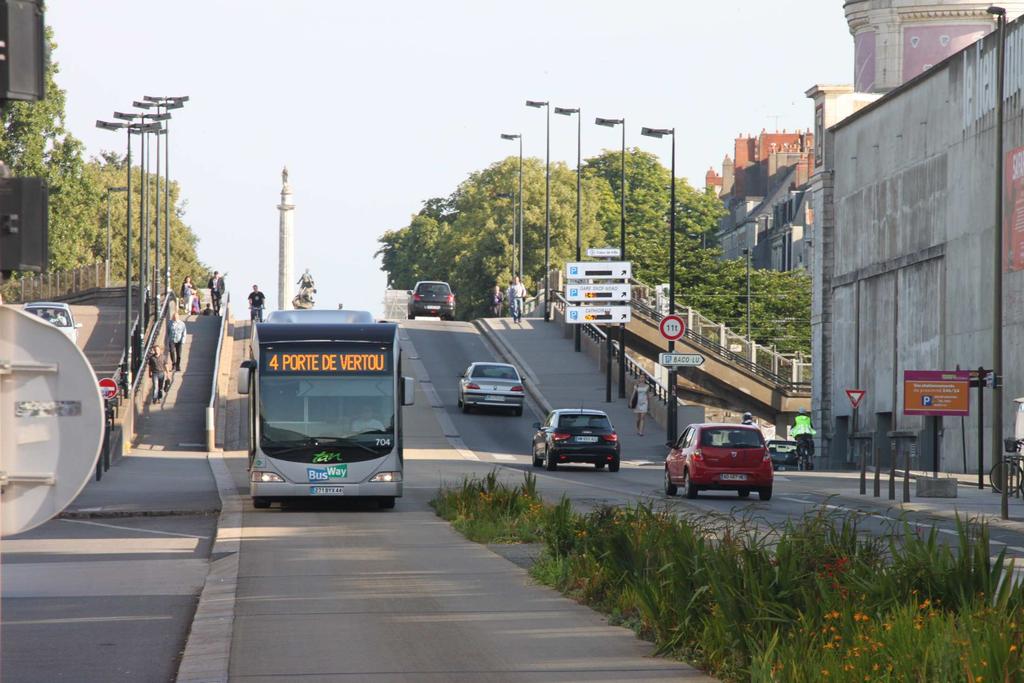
(159, 368)
(178, 336)
(188, 294)
(217, 289)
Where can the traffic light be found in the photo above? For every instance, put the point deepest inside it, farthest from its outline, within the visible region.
(23, 51)
(24, 225)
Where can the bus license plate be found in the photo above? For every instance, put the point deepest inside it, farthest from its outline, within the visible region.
(326, 490)
(734, 477)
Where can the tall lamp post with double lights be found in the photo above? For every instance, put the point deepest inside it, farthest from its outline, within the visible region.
(144, 130)
(167, 103)
(522, 232)
(673, 408)
(131, 128)
(611, 123)
(536, 104)
(565, 111)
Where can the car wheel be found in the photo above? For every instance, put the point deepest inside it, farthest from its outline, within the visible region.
(518, 412)
(261, 503)
(412, 317)
(598, 465)
(386, 502)
(550, 464)
(688, 486)
(465, 407)
(765, 493)
(613, 466)
(744, 493)
(670, 488)
(536, 460)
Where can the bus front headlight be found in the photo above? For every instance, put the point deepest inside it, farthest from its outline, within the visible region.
(265, 477)
(386, 477)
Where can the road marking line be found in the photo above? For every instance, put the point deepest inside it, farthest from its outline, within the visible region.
(129, 528)
(503, 456)
(82, 620)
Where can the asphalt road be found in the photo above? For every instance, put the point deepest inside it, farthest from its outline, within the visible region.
(446, 348)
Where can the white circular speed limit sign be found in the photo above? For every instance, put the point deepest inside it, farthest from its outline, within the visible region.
(672, 327)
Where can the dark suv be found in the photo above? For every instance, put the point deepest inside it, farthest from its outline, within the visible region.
(433, 299)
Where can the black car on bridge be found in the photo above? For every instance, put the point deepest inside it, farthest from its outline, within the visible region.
(432, 299)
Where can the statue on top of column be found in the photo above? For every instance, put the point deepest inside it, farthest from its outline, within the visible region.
(307, 288)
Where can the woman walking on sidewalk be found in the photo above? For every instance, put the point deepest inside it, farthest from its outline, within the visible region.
(639, 403)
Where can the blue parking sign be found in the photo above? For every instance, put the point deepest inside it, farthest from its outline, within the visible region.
(926, 400)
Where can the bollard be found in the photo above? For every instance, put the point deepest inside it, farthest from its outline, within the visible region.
(863, 473)
(877, 491)
(892, 470)
(906, 475)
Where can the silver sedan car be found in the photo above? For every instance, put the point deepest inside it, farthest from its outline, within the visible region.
(491, 385)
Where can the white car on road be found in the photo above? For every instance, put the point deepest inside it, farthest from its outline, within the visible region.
(491, 385)
(58, 314)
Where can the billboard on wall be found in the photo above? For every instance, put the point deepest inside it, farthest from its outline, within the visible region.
(1013, 211)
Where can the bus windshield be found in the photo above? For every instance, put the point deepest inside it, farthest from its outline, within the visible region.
(326, 403)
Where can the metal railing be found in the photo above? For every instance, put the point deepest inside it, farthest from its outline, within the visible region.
(211, 406)
(788, 374)
(59, 283)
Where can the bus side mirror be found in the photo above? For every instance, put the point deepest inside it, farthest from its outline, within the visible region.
(244, 375)
(408, 391)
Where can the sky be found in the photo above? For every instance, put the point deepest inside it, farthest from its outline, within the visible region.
(378, 106)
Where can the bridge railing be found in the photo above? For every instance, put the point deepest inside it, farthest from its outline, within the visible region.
(58, 283)
(791, 373)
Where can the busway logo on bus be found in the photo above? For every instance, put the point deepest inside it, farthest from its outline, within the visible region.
(327, 473)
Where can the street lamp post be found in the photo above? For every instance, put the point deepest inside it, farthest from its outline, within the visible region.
(131, 128)
(564, 111)
(746, 255)
(107, 268)
(611, 123)
(167, 103)
(547, 207)
(997, 270)
(522, 232)
(673, 412)
(144, 130)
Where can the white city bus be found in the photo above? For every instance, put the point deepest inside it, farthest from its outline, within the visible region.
(325, 407)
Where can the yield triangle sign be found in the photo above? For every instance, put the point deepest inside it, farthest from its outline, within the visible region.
(855, 396)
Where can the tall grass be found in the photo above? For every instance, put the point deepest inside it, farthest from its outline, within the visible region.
(815, 600)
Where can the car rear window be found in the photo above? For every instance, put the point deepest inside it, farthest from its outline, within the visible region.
(494, 372)
(725, 437)
(56, 316)
(583, 421)
(433, 289)
(781, 446)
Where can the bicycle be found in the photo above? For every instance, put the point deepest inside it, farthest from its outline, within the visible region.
(256, 314)
(1014, 474)
(805, 452)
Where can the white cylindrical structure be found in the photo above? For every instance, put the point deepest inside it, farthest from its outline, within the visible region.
(285, 274)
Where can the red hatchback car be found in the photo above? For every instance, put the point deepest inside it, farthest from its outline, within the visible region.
(731, 457)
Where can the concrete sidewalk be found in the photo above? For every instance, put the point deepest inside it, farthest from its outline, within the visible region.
(566, 379)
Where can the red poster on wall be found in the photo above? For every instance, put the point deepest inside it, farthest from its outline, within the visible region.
(1013, 211)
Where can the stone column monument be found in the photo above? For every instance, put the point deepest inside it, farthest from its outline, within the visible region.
(284, 258)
